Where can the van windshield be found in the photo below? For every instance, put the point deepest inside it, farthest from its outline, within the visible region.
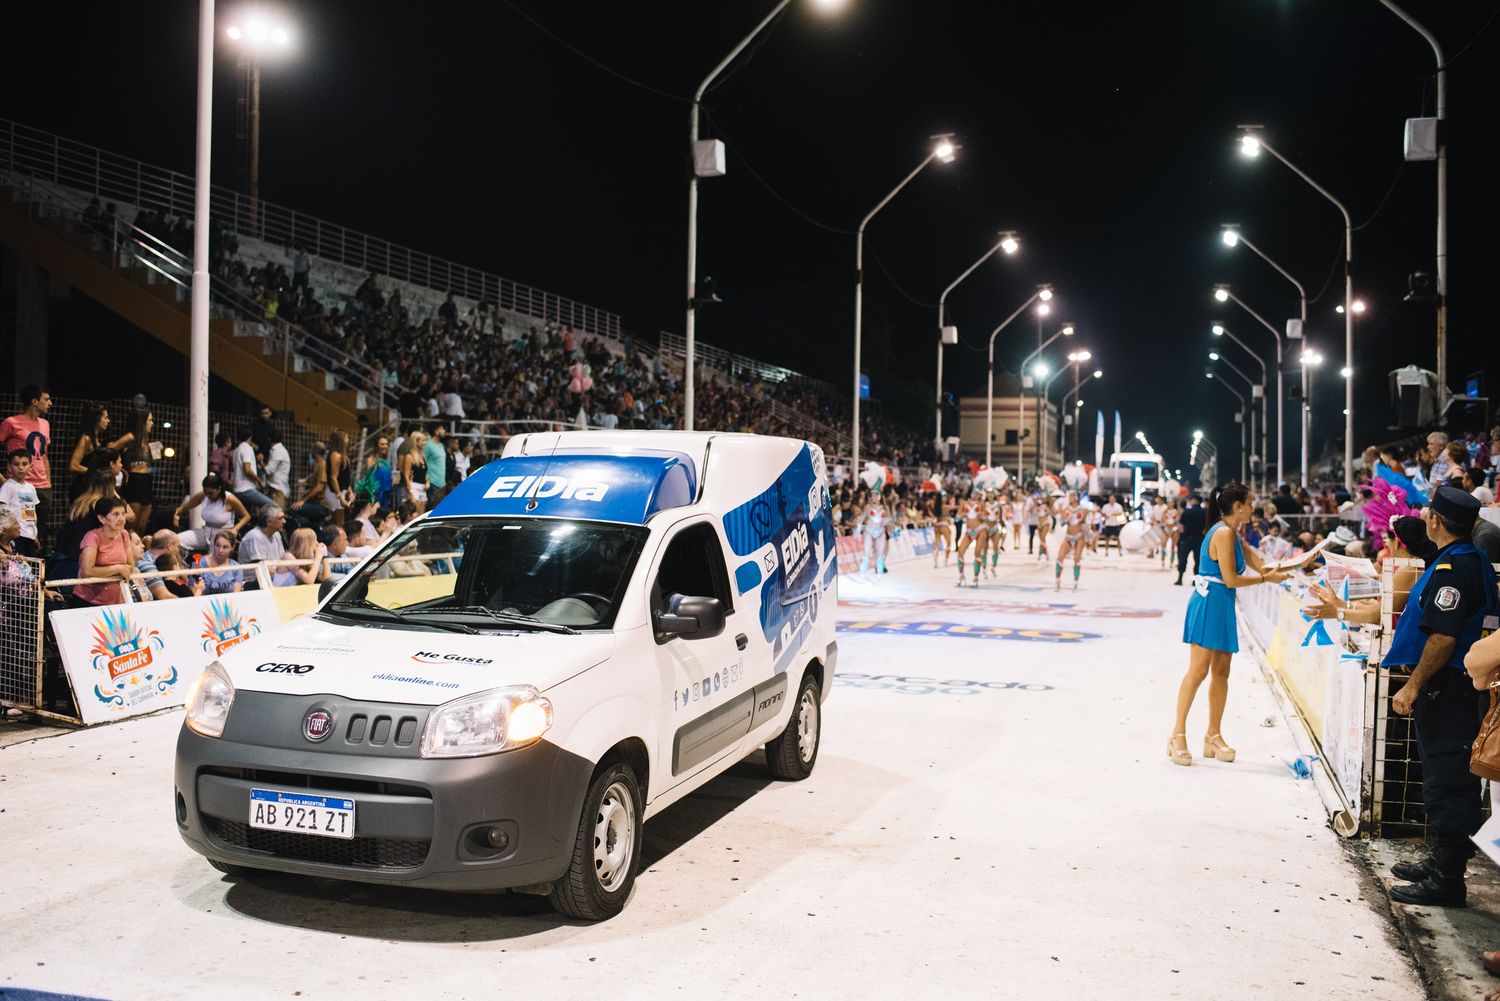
(496, 573)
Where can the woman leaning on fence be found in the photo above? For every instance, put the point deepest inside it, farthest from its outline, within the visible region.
(1210, 629)
(107, 552)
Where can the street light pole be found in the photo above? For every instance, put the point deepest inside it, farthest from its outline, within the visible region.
(199, 306)
(1223, 293)
(1007, 242)
(1243, 407)
(1063, 407)
(1044, 293)
(943, 149)
(1065, 331)
(1220, 330)
(1442, 196)
(690, 343)
(1232, 237)
(1251, 143)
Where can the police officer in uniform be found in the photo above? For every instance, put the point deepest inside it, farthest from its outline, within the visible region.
(1445, 614)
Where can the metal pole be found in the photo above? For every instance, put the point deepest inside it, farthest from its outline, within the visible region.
(255, 143)
(1442, 196)
(1348, 311)
(689, 338)
(1263, 396)
(989, 415)
(198, 320)
(1302, 302)
(1280, 390)
(942, 305)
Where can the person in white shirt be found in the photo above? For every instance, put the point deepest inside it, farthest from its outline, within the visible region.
(464, 458)
(247, 481)
(278, 470)
(263, 542)
(450, 404)
(21, 498)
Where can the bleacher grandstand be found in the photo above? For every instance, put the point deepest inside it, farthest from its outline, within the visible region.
(365, 332)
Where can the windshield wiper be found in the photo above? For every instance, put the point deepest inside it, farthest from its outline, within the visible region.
(402, 617)
(516, 619)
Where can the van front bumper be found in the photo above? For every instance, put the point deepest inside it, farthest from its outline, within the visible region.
(419, 822)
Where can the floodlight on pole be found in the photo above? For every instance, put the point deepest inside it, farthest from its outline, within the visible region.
(944, 150)
(1221, 294)
(256, 35)
(712, 168)
(1045, 294)
(1009, 242)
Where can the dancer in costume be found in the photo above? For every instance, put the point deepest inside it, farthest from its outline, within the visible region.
(873, 524)
(973, 533)
(1074, 519)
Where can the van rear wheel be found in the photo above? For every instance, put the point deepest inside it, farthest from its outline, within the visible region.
(606, 850)
(791, 754)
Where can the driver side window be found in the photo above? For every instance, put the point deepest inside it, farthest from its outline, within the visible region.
(693, 565)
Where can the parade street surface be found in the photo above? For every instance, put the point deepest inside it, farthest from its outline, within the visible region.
(992, 816)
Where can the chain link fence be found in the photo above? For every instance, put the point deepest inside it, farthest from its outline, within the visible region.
(169, 482)
(21, 596)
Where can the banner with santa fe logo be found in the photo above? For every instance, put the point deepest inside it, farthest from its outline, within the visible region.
(126, 660)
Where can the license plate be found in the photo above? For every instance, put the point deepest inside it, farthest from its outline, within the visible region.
(325, 816)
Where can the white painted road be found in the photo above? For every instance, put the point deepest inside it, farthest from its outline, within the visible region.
(992, 816)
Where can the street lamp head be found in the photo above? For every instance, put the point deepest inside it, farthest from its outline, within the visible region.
(944, 148)
(1311, 358)
(1067, 330)
(1346, 371)
(1197, 435)
(1040, 370)
(1079, 404)
(1208, 375)
(830, 6)
(1249, 145)
(1009, 242)
(259, 35)
(1042, 309)
(1221, 293)
(1098, 373)
(1044, 293)
(1218, 329)
(1359, 305)
(1213, 356)
(1077, 356)
(1230, 234)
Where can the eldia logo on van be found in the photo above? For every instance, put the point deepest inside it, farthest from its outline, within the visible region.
(284, 668)
(543, 487)
(428, 657)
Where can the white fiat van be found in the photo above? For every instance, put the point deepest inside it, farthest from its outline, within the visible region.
(583, 632)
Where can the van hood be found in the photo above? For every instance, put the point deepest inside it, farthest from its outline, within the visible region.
(309, 656)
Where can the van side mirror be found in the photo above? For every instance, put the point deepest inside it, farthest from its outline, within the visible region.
(691, 617)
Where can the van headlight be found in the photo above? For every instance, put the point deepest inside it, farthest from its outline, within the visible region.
(500, 719)
(208, 703)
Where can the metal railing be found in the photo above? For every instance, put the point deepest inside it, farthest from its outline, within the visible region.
(132, 246)
(111, 177)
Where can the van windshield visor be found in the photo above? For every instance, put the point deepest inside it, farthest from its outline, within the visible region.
(541, 574)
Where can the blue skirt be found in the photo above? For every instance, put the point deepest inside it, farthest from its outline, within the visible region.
(1210, 621)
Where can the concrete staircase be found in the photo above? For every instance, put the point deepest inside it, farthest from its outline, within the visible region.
(243, 352)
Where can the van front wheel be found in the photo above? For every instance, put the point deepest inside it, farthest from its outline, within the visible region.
(792, 753)
(606, 850)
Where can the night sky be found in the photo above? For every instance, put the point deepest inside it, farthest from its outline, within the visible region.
(1102, 133)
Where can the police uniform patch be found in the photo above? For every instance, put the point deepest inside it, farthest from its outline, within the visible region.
(1446, 598)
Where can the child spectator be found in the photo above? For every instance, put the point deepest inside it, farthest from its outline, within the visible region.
(20, 497)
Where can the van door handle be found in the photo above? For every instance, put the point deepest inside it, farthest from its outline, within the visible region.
(741, 641)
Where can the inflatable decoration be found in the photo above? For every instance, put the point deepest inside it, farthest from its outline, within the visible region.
(583, 379)
(1139, 537)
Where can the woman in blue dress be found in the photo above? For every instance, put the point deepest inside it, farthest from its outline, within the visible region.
(1210, 628)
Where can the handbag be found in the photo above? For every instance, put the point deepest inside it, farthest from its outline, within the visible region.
(1485, 759)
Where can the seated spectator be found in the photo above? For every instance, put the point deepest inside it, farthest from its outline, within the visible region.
(177, 587)
(263, 542)
(220, 570)
(99, 484)
(163, 543)
(336, 541)
(305, 546)
(221, 510)
(106, 552)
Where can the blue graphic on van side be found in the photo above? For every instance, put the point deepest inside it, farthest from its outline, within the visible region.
(618, 488)
(746, 576)
(794, 518)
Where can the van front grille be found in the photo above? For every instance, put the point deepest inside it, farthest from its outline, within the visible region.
(367, 853)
